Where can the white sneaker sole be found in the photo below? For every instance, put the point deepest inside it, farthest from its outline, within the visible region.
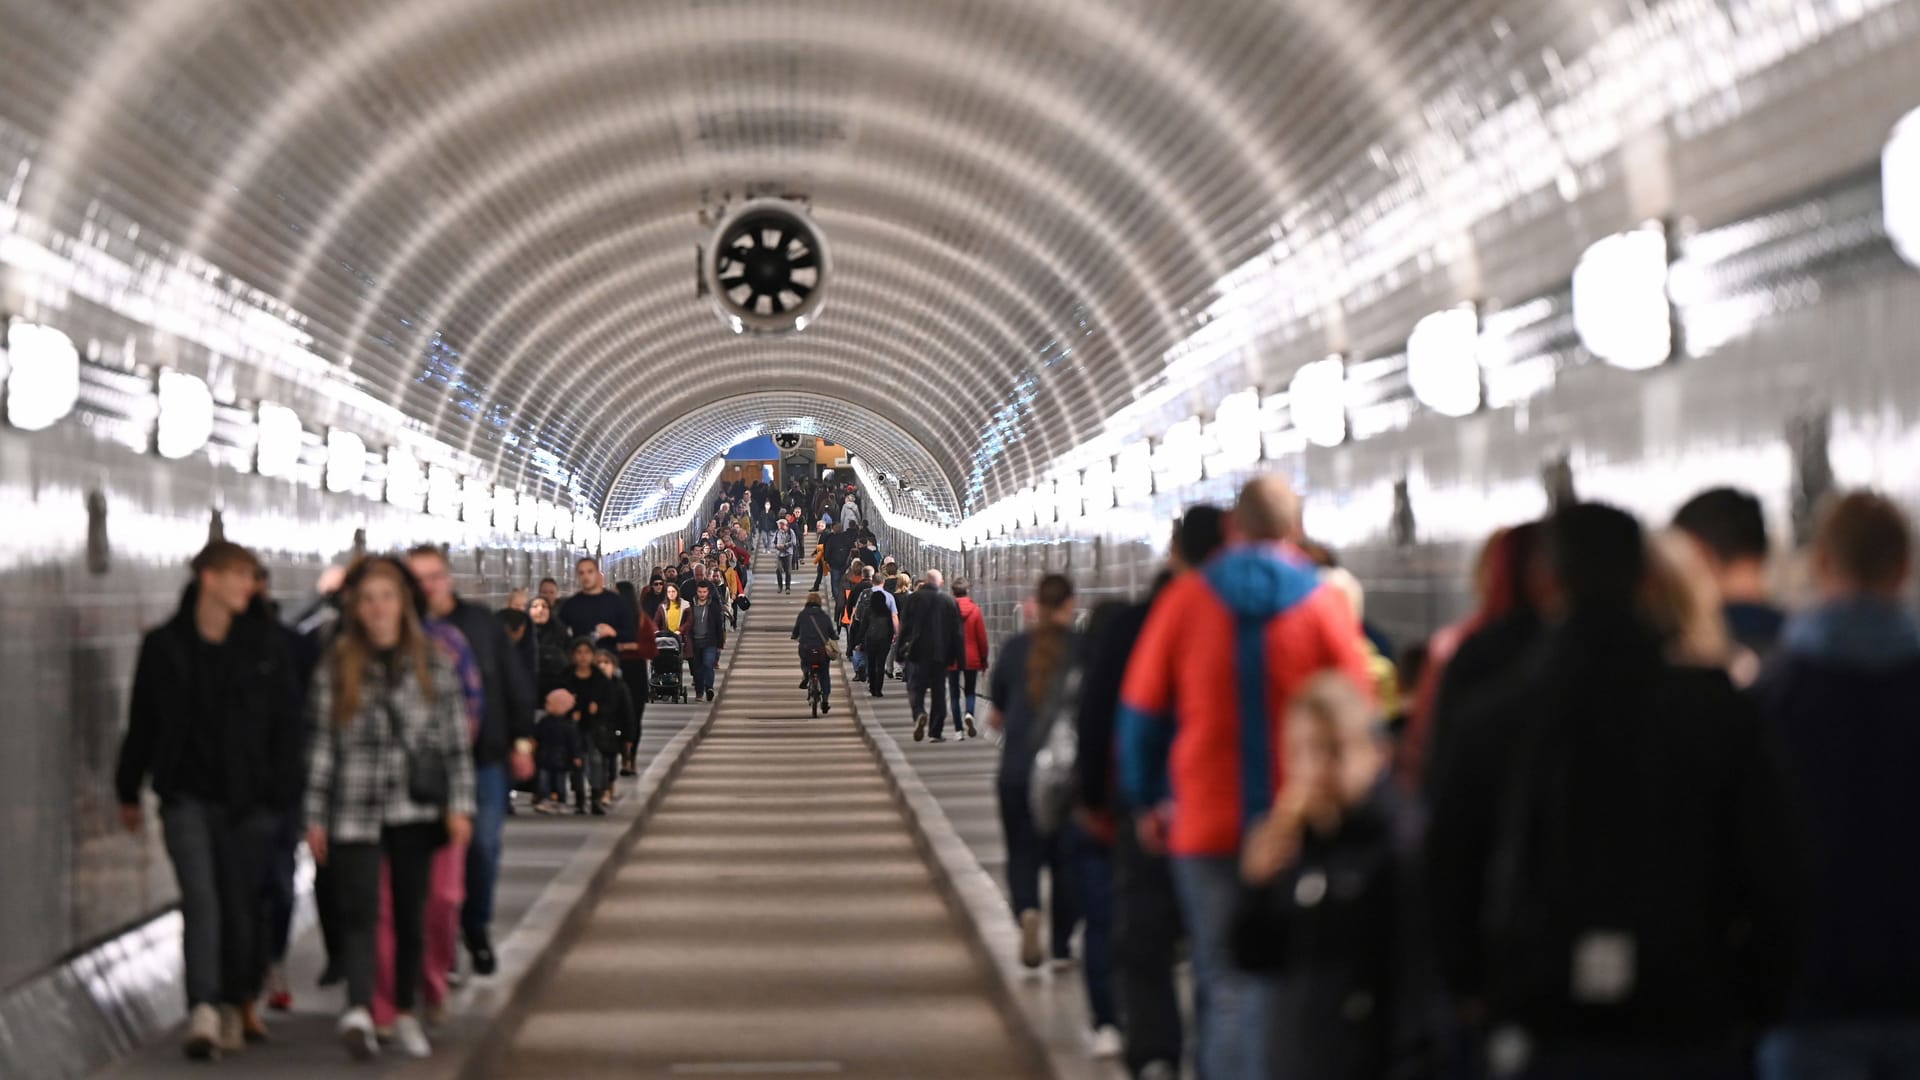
(360, 1043)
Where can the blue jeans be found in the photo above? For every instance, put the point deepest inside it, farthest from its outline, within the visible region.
(702, 659)
(972, 681)
(1843, 1050)
(490, 794)
(1092, 864)
(1234, 1007)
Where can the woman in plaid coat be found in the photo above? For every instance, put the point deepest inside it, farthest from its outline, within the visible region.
(386, 696)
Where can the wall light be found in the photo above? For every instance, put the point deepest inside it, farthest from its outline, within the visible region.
(278, 452)
(443, 491)
(1067, 495)
(1620, 305)
(476, 500)
(1900, 186)
(346, 460)
(1443, 361)
(1096, 485)
(1133, 473)
(1236, 429)
(186, 414)
(43, 377)
(404, 487)
(1317, 401)
(1180, 458)
(506, 507)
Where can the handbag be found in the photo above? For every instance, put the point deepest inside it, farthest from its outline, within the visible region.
(428, 782)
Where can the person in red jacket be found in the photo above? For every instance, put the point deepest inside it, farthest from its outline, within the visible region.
(1223, 652)
(973, 630)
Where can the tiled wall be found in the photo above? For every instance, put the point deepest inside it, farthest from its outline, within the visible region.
(72, 630)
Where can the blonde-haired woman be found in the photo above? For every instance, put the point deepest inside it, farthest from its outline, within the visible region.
(389, 774)
(1684, 605)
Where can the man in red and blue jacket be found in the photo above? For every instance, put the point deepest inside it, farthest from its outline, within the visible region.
(1222, 653)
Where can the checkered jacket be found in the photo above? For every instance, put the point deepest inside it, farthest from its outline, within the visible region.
(357, 777)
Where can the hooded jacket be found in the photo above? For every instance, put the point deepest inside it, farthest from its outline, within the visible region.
(973, 627)
(1223, 651)
(253, 713)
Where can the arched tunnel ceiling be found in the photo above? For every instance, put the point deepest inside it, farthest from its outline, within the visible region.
(484, 212)
(662, 462)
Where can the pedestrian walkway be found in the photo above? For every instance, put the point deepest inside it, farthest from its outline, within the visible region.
(775, 918)
(957, 777)
(545, 866)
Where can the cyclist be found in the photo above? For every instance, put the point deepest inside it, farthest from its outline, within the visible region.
(815, 632)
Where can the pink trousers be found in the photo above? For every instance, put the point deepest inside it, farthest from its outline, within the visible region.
(446, 891)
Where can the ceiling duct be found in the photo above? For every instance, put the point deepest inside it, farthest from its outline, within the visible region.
(766, 268)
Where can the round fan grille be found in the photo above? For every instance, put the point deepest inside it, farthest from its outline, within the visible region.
(766, 268)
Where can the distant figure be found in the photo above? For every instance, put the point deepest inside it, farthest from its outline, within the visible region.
(1730, 531)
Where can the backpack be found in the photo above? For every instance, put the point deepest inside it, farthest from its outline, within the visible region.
(1056, 749)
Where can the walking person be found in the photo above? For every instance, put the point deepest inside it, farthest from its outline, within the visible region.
(210, 725)
(506, 727)
(705, 627)
(1025, 688)
(785, 546)
(390, 773)
(965, 674)
(633, 658)
(874, 632)
(933, 644)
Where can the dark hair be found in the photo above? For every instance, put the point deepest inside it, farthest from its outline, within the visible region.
(224, 555)
(420, 550)
(1049, 638)
(1729, 522)
(583, 643)
(1865, 539)
(549, 581)
(959, 586)
(583, 560)
(512, 621)
(1200, 532)
(1598, 555)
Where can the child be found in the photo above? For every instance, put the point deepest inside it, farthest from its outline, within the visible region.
(591, 713)
(557, 753)
(620, 728)
(1331, 900)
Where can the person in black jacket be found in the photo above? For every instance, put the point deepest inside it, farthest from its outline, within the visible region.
(935, 641)
(705, 628)
(1844, 693)
(505, 726)
(209, 724)
(551, 645)
(622, 730)
(1612, 866)
(813, 628)
(1334, 904)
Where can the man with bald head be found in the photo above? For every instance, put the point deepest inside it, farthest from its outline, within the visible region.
(1223, 651)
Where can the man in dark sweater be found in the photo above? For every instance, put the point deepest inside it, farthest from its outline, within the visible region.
(210, 725)
(508, 719)
(596, 612)
(1844, 695)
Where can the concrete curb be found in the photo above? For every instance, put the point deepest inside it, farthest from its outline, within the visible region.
(969, 890)
(558, 917)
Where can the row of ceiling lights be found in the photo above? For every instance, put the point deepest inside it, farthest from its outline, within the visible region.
(41, 370)
(1622, 312)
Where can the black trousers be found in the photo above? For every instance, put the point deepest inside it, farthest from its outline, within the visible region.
(356, 867)
(783, 573)
(1146, 935)
(877, 650)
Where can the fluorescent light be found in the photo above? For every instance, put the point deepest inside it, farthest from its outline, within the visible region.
(1317, 401)
(1900, 186)
(1620, 305)
(278, 452)
(443, 491)
(527, 515)
(186, 414)
(346, 460)
(1443, 361)
(506, 504)
(1180, 459)
(43, 377)
(476, 500)
(1133, 473)
(403, 478)
(1096, 485)
(1236, 430)
(1066, 495)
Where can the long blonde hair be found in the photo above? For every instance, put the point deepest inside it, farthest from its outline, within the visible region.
(353, 650)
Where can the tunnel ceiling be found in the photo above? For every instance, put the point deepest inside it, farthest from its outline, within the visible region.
(483, 213)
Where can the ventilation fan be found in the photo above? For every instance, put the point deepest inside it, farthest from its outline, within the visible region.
(788, 441)
(766, 268)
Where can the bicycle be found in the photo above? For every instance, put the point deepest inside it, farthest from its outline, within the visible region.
(814, 698)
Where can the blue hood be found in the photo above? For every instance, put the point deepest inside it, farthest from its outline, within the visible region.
(1857, 631)
(1260, 581)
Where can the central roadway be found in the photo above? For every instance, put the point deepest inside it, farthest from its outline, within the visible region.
(775, 917)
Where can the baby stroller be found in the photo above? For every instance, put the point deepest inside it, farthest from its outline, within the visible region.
(667, 685)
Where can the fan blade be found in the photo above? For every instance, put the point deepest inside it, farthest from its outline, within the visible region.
(779, 304)
(804, 261)
(798, 289)
(780, 241)
(733, 282)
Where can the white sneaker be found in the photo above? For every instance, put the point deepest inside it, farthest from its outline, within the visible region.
(233, 1030)
(203, 1034)
(411, 1037)
(1106, 1043)
(1030, 954)
(356, 1034)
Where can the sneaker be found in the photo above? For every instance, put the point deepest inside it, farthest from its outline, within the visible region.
(825, 708)
(203, 1034)
(233, 1030)
(1030, 953)
(251, 1026)
(919, 728)
(802, 686)
(356, 1034)
(411, 1038)
(481, 950)
(280, 1001)
(579, 811)
(599, 809)
(1106, 1043)
(972, 732)
(709, 695)
(938, 738)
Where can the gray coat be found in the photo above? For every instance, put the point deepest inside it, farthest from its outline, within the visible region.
(357, 778)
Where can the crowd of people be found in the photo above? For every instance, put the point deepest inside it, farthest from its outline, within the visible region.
(1628, 818)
